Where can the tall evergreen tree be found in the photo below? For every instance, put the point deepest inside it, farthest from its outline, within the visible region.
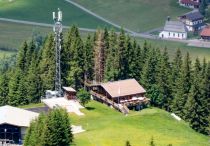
(47, 64)
(183, 87)
(88, 58)
(112, 62)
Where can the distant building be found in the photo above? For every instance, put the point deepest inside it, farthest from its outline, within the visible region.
(13, 123)
(174, 30)
(194, 21)
(193, 4)
(205, 33)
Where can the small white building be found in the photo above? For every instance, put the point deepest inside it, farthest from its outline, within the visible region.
(174, 30)
(14, 122)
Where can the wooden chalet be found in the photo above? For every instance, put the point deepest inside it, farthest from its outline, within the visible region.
(69, 93)
(121, 95)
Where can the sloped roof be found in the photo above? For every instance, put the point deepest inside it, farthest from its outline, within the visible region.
(175, 26)
(123, 88)
(193, 16)
(16, 116)
(70, 89)
(205, 32)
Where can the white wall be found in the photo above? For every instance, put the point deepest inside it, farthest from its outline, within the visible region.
(174, 35)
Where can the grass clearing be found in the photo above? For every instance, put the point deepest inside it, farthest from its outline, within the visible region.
(106, 127)
(41, 11)
(137, 15)
(173, 46)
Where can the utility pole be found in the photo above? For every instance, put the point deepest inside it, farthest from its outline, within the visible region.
(58, 30)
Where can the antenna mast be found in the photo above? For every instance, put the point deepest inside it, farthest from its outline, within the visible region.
(58, 30)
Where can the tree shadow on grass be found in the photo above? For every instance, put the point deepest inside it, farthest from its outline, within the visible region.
(90, 108)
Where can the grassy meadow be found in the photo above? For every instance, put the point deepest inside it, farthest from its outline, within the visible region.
(173, 46)
(137, 15)
(41, 11)
(106, 127)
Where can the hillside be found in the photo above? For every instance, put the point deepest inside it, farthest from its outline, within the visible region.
(107, 127)
(41, 11)
(144, 14)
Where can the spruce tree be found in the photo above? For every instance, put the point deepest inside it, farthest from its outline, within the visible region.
(122, 52)
(4, 89)
(183, 87)
(197, 106)
(47, 64)
(88, 58)
(163, 82)
(112, 61)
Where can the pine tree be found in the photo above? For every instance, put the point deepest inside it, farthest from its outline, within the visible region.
(4, 89)
(122, 52)
(196, 107)
(112, 62)
(88, 58)
(47, 64)
(163, 82)
(75, 76)
(148, 76)
(57, 131)
(67, 52)
(33, 81)
(21, 57)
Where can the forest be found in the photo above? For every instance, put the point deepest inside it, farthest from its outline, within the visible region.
(180, 84)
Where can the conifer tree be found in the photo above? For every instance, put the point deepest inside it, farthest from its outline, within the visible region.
(197, 106)
(183, 87)
(112, 62)
(163, 82)
(33, 81)
(47, 64)
(88, 58)
(75, 76)
(57, 131)
(122, 52)
(67, 52)
(4, 89)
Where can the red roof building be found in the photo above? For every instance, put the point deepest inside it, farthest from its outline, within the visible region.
(190, 3)
(205, 33)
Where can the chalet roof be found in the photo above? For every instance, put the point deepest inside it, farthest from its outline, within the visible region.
(190, 2)
(123, 88)
(16, 116)
(69, 89)
(205, 32)
(193, 16)
(175, 26)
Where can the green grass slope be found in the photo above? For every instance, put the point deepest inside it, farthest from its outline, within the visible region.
(138, 15)
(41, 11)
(172, 47)
(107, 127)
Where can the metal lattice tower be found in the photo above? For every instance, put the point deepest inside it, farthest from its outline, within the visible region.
(58, 30)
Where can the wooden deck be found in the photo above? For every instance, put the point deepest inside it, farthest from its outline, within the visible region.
(119, 107)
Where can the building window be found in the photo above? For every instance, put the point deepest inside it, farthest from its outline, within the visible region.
(178, 35)
(174, 34)
(182, 35)
(169, 34)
